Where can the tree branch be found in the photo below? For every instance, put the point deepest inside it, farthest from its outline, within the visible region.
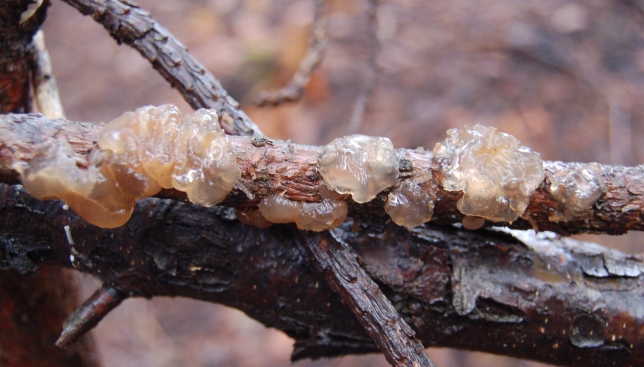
(395, 339)
(549, 299)
(133, 26)
(272, 166)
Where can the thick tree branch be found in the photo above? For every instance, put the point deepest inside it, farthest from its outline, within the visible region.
(133, 26)
(553, 300)
(271, 166)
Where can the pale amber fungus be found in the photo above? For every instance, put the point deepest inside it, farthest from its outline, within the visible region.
(472, 223)
(409, 206)
(359, 165)
(91, 193)
(252, 216)
(309, 216)
(140, 153)
(495, 172)
(577, 187)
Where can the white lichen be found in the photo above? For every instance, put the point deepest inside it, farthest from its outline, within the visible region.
(140, 153)
(316, 217)
(409, 206)
(577, 187)
(359, 165)
(495, 172)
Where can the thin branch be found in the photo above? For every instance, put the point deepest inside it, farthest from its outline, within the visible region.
(44, 82)
(273, 166)
(133, 26)
(548, 299)
(293, 91)
(395, 339)
(89, 314)
(371, 71)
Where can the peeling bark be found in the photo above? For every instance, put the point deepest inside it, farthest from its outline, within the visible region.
(536, 300)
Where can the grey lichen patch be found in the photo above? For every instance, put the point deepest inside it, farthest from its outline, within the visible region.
(409, 206)
(140, 153)
(359, 165)
(495, 172)
(577, 187)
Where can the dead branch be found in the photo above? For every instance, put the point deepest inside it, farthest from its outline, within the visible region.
(549, 299)
(272, 166)
(133, 26)
(293, 91)
(395, 339)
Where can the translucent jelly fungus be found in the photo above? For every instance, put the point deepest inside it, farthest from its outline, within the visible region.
(495, 172)
(317, 217)
(577, 187)
(472, 223)
(252, 216)
(54, 174)
(140, 153)
(359, 165)
(409, 206)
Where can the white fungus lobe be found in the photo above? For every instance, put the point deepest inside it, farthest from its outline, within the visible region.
(577, 187)
(359, 165)
(316, 217)
(140, 153)
(409, 206)
(495, 172)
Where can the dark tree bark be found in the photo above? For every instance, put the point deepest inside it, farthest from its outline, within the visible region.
(553, 300)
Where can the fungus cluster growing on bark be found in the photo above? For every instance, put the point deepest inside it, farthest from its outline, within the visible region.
(359, 165)
(409, 206)
(577, 189)
(495, 172)
(140, 153)
(326, 214)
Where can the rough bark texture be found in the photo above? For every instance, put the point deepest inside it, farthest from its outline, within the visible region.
(551, 300)
(272, 166)
(337, 260)
(129, 24)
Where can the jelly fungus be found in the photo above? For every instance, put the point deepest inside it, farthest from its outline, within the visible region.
(140, 153)
(495, 172)
(577, 187)
(409, 206)
(317, 217)
(359, 165)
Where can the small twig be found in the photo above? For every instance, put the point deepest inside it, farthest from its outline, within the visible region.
(374, 311)
(129, 24)
(371, 71)
(293, 91)
(89, 314)
(44, 83)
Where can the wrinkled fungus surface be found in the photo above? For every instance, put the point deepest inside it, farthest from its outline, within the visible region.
(317, 217)
(359, 165)
(140, 153)
(577, 187)
(495, 172)
(409, 206)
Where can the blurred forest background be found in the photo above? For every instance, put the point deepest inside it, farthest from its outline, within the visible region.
(565, 77)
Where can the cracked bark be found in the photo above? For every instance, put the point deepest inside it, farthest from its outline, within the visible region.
(551, 299)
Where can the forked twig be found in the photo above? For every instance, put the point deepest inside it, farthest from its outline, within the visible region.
(293, 91)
